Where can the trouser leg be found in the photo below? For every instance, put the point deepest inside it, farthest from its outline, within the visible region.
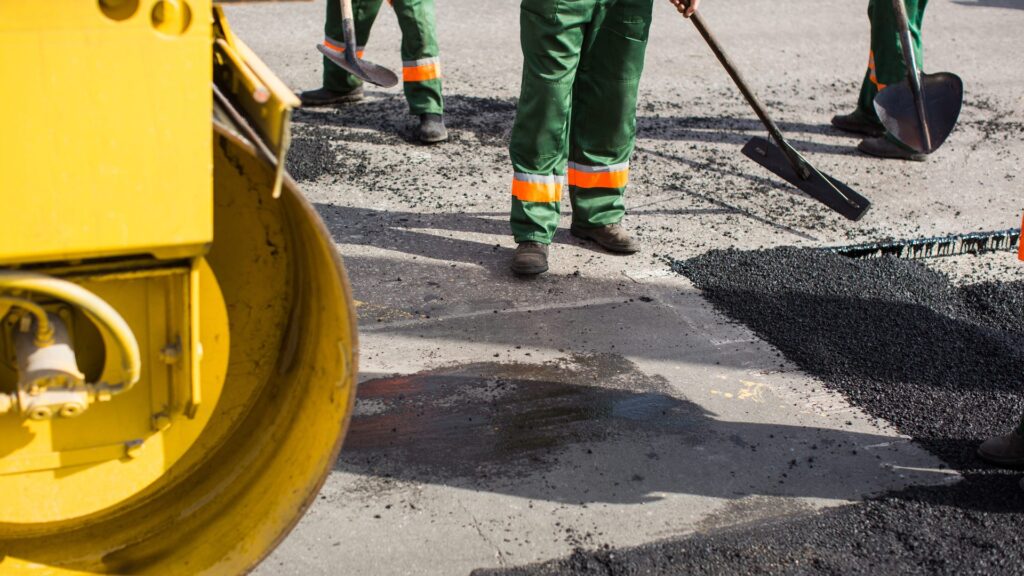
(885, 61)
(539, 144)
(603, 128)
(364, 13)
(421, 64)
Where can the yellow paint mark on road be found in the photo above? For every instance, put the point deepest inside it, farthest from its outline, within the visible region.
(751, 390)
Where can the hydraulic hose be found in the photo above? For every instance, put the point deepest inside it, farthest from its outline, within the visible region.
(44, 331)
(97, 309)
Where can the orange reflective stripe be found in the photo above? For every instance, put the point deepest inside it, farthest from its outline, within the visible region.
(598, 179)
(341, 47)
(583, 176)
(872, 76)
(420, 70)
(537, 188)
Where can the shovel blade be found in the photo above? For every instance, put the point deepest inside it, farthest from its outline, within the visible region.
(818, 185)
(365, 71)
(943, 95)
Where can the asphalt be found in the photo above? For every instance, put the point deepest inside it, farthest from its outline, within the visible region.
(942, 362)
(971, 528)
(614, 405)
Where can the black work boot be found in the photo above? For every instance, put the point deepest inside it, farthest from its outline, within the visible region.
(325, 97)
(431, 129)
(1006, 451)
(857, 123)
(531, 258)
(612, 237)
(882, 147)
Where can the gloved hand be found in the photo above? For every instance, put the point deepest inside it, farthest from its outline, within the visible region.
(685, 7)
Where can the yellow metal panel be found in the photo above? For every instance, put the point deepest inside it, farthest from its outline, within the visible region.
(107, 147)
(115, 447)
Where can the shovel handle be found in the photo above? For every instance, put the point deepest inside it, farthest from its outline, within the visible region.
(799, 164)
(348, 28)
(913, 74)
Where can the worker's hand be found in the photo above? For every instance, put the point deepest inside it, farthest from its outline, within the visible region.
(685, 7)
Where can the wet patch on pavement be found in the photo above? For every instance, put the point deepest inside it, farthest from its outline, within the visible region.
(466, 418)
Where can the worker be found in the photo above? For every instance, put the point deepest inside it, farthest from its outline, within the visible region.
(1006, 451)
(421, 66)
(576, 121)
(885, 66)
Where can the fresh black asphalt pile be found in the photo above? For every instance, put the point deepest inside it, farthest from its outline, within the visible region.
(943, 363)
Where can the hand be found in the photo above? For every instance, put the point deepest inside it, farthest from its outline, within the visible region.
(685, 7)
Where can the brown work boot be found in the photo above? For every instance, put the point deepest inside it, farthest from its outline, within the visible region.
(326, 97)
(612, 237)
(885, 148)
(857, 123)
(531, 258)
(1006, 451)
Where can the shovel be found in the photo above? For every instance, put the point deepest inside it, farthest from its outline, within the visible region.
(349, 59)
(781, 158)
(922, 110)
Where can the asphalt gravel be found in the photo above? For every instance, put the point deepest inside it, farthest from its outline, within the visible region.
(940, 361)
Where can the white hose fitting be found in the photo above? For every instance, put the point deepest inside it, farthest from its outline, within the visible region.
(97, 309)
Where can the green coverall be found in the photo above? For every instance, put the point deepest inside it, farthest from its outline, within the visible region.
(421, 66)
(885, 61)
(576, 120)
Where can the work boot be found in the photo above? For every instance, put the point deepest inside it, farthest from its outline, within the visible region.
(1006, 451)
(531, 258)
(885, 148)
(612, 237)
(431, 129)
(326, 97)
(858, 123)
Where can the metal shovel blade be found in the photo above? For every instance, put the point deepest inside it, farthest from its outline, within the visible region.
(818, 185)
(943, 95)
(365, 71)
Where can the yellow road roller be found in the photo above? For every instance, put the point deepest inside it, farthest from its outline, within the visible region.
(177, 336)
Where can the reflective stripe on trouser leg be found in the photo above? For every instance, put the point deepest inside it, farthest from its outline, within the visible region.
(885, 59)
(339, 47)
(596, 193)
(539, 145)
(603, 129)
(421, 64)
(364, 12)
(536, 206)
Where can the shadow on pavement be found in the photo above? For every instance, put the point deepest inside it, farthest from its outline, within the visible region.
(595, 429)
(489, 122)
